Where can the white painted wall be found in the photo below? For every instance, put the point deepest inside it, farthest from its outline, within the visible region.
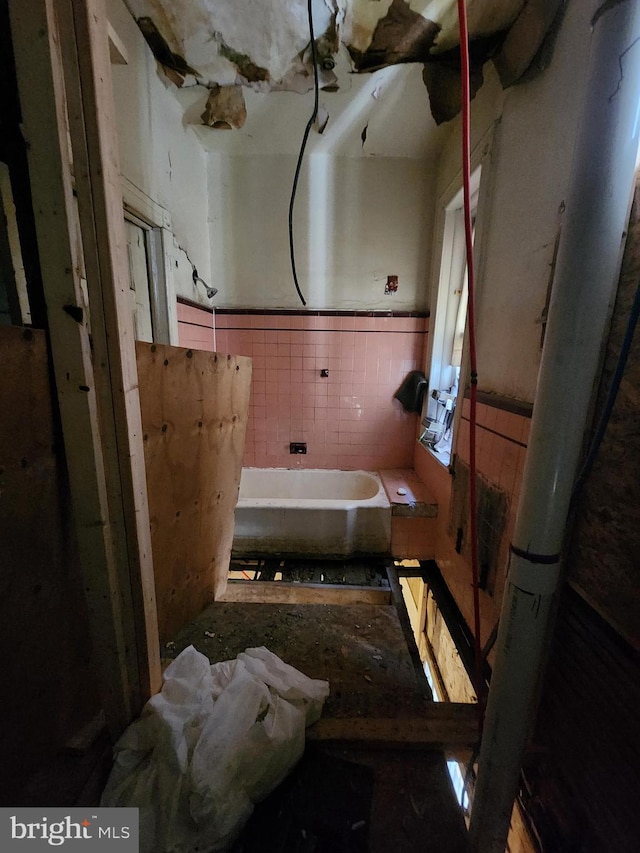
(161, 155)
(357, 220)
(363, 210)
(521, 194)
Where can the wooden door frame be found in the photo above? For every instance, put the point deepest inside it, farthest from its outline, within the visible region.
(64, 80)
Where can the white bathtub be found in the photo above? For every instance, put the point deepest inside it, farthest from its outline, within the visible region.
(311, 512)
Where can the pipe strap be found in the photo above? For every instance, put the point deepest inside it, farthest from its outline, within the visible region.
(537, 574)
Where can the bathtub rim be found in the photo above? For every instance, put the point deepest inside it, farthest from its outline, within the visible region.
(379, 500)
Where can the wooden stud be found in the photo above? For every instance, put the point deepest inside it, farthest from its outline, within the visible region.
(449, 726)
(92, 122)
(97, 399)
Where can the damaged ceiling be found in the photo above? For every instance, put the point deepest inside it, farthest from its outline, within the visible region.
(229, 46)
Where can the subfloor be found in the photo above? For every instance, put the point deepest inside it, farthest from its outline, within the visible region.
(342, 797)
(345, 796)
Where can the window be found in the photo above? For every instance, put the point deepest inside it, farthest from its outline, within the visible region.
(449, 325)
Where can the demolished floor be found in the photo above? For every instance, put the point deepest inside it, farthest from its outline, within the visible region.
(374, 775)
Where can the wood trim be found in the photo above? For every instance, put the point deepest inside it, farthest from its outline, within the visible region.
(280, 592)
(117, 51)
(451, 726)
(140, 204)
(158, 286)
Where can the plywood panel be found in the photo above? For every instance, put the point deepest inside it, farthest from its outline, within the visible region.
(45, 630)
(194, 417)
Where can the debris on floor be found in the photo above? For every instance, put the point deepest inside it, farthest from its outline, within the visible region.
(217, 739)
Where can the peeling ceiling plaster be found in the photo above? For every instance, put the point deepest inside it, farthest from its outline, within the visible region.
(264, 44)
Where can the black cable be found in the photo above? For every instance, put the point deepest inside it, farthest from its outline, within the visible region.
(305, 137)
(611, 397)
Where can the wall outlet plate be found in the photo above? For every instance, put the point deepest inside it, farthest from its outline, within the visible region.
(392, 284)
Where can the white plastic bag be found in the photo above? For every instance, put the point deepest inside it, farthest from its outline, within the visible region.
(217, 739)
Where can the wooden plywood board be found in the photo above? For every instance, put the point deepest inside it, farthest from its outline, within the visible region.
(360, 649)
(194, 415)
(42, 609)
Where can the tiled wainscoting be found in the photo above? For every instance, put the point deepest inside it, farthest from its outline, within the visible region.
(501, 445)
(348, 419)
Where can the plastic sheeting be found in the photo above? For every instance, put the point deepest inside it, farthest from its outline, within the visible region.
(217, 739)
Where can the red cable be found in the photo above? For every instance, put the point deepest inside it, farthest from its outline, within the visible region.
(471, 325)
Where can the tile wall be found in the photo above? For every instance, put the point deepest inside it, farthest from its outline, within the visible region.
(501, 445)
(349, 419)
(501, 448)
(413, 538)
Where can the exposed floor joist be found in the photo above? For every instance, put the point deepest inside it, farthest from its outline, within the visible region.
(280, 592)
(450, 726)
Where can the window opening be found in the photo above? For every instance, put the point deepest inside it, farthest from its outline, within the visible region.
(449, 331)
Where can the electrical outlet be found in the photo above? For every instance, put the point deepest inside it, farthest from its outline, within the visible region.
(392, 284)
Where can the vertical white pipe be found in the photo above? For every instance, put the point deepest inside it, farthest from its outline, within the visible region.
(586, 277)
